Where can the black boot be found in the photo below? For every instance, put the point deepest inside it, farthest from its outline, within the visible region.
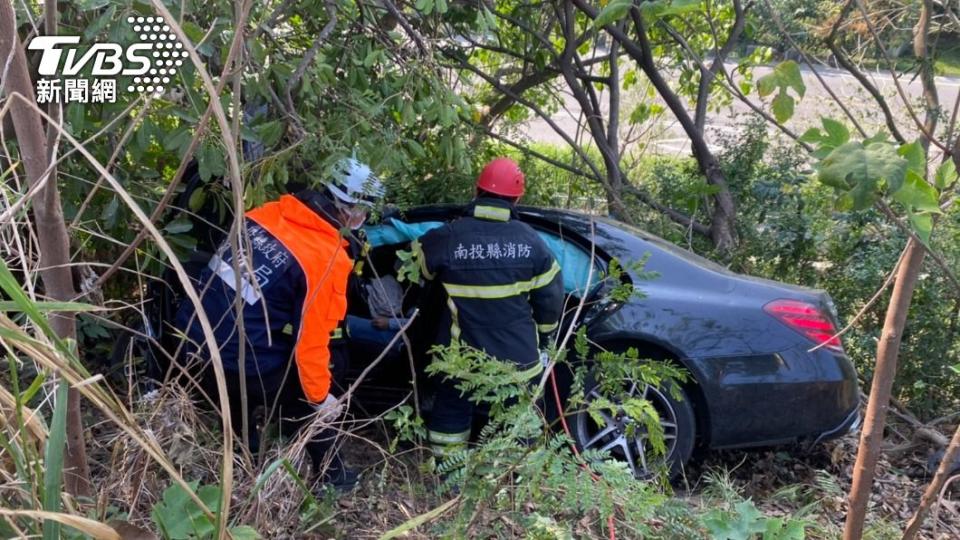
(336, 474)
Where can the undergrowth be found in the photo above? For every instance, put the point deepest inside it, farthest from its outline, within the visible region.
(159, 459)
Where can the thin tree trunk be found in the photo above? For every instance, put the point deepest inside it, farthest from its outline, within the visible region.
(723, 215)
(887, 352)
(51, 230)
(888, 348)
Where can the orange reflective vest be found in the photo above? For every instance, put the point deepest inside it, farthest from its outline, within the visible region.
(318, 248)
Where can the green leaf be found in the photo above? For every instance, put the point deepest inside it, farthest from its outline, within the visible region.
(916, 157)
(53, 461)
(211, 161)
(193, 31)
(836, 134)
(102, 21)
(183, 244)
(614, 11)
(34, 387)
(179, 517)
(657, 9)
(176, 140)
(793, 530)
(197, 198)
(784, 76)
(643, 112)
(789, 76)
(257, 51)
(179, 225)
(767, 84)
(922, 224)
(812, 135)
(109, 214)
(244, 532)
(76, 117)
(915, 192)
(269, 132)
(407, 115)
(851, 165)
(861, 196)
(782, 107)
(741, 524)
(946, 175)
(11, 287)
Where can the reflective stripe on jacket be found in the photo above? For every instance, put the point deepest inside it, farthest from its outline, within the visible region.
(299, 268)
(502, 283)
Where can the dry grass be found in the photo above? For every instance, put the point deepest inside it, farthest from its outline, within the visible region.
(782, 481)
(265, 495)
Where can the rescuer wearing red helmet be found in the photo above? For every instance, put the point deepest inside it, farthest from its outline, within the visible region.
(503, 286)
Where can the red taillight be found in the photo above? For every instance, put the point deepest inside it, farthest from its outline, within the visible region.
(806, 319)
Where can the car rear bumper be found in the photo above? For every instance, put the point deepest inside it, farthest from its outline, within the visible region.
(787, 397)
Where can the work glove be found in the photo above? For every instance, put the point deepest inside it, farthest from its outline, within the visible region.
(329, 409)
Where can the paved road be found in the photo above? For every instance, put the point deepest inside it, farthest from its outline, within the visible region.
(667, 137)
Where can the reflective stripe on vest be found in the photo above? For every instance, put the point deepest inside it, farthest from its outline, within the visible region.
(547, 328)
(491, 292)
(223, 269)
(493, 213)
(448, 438)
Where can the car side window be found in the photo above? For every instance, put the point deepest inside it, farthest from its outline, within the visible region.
(575, 264)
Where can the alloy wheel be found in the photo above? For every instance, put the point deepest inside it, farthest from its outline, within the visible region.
(613, 435)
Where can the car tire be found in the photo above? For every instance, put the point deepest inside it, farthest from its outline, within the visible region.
(676, 417)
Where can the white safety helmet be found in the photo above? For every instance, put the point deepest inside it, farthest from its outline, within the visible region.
(353, 183)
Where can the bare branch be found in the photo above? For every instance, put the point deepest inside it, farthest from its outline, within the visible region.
(707, 76)
(405, 24)
(724, 213)
(896, 79)
(861, 77)
(307, 60)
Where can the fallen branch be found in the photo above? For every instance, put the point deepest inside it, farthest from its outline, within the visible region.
(934, 490)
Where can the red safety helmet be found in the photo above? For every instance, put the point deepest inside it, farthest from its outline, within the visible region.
(502, 176)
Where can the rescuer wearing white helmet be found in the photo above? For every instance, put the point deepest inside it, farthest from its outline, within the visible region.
(293, 288)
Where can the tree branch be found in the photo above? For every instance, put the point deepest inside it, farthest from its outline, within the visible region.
(724, 213)
(405, 24)
(463, 63)
(707, 76)
(861, 77)
(896, 79)
(307, 60)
